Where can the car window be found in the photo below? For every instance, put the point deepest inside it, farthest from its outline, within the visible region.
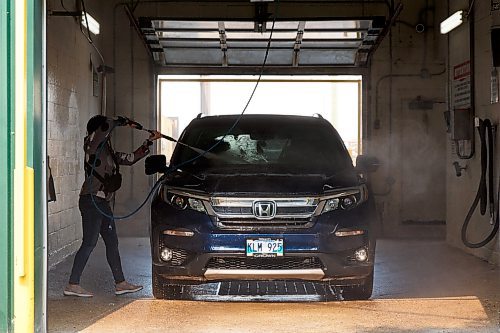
(290, 145)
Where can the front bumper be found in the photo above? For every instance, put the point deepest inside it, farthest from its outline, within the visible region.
(310, 274)
(333, 256)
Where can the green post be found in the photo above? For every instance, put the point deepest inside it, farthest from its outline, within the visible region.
(36, 150)
(6, 163)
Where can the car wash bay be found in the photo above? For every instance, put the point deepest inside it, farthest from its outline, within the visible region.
(420, 91)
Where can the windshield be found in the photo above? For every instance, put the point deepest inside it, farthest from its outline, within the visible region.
(264, 144)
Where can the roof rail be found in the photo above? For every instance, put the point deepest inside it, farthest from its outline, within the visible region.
(199, 115)
(317, 115)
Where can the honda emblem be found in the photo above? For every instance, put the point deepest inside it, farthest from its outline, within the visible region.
(264, 210)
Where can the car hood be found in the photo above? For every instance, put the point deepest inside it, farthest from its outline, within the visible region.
(262, 183)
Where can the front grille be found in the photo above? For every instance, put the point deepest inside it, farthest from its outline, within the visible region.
(243, 224)
(226, 208)
(245, 211)
(233, 210)
(237, 213)
(265, 263)
(295, 210)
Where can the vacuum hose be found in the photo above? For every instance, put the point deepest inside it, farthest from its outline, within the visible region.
(483, 197)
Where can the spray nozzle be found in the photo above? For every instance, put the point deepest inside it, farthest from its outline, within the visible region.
(135, 124)
(459, 168)
(124, 121)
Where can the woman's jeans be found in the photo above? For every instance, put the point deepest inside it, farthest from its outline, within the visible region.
(94, 223)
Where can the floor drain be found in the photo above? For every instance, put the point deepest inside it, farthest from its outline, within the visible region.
(276, 288)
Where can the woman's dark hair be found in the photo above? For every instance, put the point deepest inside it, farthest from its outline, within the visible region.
(95, 122)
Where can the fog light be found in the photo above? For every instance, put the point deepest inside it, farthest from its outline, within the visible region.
(361, 254)
(348, 202)
(166, 254)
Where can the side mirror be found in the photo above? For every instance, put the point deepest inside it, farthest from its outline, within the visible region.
(155, 163)
(367, 163)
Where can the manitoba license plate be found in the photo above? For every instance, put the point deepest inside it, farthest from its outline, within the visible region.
(265, 247)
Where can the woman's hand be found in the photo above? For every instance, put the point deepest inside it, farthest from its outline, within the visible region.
(155, 135)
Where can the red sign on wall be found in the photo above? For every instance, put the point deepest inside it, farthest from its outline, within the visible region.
(461, 71)
(461, 86)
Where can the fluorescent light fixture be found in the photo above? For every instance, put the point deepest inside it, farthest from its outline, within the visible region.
(452, 22)
(94, 26)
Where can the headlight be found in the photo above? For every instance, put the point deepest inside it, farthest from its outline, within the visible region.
(346, 199)
(182, 200)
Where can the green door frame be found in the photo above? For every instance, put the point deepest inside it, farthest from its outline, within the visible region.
(35, 148)
(6, 164)
(37, 141)
(36, 151)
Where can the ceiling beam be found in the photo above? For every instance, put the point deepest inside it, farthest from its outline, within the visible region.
(246, 40)
(251, 30)
(255, 70)
(245, 10)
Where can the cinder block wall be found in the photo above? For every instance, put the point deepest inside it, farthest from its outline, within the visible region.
(70, 104)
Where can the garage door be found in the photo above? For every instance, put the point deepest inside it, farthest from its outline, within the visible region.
(343, 43)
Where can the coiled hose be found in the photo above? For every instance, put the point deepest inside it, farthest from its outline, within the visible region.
(483, 197)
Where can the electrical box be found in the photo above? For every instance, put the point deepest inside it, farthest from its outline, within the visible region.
(495, 46)
(461, 124)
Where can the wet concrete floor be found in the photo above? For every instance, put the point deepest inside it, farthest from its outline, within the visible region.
(420, 286)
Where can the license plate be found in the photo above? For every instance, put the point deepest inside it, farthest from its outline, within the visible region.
(265, 247)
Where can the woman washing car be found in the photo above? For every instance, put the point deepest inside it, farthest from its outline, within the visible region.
(103, 179)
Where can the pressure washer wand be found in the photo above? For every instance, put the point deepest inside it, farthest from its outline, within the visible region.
(169, 138)
(164, 136)
(141, 128)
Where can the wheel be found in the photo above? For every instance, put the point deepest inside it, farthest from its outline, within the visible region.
(361, 291)
(166, 289)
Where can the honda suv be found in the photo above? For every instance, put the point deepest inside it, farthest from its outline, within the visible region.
(267, 197)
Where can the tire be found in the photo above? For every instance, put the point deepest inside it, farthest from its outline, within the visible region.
(166, 289)
(359, 292)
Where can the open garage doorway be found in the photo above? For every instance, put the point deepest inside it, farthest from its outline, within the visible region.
(335, 98)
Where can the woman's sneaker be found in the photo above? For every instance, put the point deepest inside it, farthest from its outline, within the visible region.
(76, 290)
(126, 288)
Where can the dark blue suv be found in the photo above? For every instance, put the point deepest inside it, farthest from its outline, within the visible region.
(277, 198)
